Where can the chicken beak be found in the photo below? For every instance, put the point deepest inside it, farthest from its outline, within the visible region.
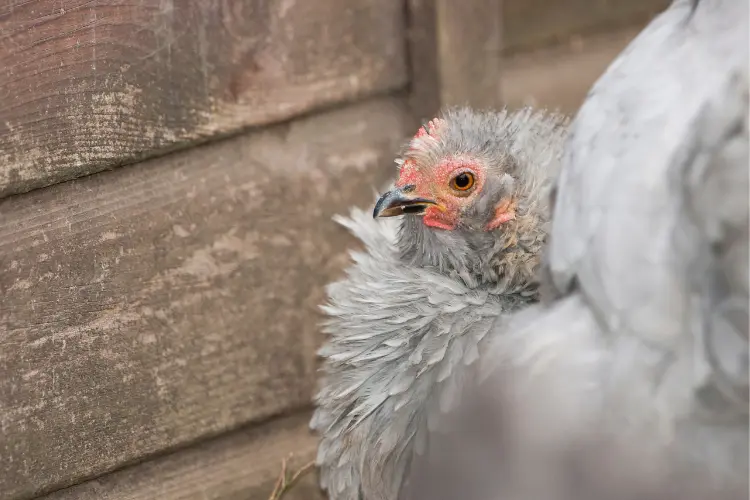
(398, 201)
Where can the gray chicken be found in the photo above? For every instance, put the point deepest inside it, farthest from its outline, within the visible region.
(418, 303)
(630, 380)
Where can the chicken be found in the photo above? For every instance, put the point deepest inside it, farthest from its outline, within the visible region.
(630, 381)
(651, 231)
(408, 321)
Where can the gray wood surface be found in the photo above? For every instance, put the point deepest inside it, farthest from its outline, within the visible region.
(150, 306)
(424, 79)
(242, 465)
(86, 86)
(469, 40)
(468, 52)
(560, 77)
(528, 24)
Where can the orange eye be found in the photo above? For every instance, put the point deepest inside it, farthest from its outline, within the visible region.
(463, 181)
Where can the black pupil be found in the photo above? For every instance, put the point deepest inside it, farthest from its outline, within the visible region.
(462, 181)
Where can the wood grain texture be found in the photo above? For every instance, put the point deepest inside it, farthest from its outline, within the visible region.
(528, 24)
(469, 37)
(86, 86)
(242, 465)
(560, 77)
(150, 306)
(424, 74)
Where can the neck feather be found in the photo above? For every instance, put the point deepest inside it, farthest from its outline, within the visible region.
(505, 260)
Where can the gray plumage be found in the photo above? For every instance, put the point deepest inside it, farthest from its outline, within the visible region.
(634, 373)
(655, 251)
(416, 305)
(630, 381)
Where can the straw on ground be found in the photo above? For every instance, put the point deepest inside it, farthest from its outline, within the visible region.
(283, 483)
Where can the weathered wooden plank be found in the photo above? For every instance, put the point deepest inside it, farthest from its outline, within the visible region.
(149, 306)
(530, 23)
(85, 86)
(469, 36)
(454, 54)
(242, 465)
(424, 74)
(560, 77)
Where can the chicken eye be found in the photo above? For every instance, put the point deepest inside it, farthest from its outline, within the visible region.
(463, 181)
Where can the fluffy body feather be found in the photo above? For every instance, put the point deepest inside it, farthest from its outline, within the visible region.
(408, 322)
(656, 252)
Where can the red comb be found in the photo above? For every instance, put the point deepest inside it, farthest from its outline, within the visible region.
(431, 128)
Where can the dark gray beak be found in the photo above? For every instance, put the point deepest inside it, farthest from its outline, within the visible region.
(398, 201)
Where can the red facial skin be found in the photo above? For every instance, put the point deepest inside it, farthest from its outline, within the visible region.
(435, 184)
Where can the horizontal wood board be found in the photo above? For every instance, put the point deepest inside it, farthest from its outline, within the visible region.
(150, 306)
(529, 24)
(561, 77)
(242, 465)
(86, 86)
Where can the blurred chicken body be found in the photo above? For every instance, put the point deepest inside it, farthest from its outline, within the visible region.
(408, 322)
(650, 239)
(631, 380)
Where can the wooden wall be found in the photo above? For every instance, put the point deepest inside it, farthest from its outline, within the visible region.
(168, 172)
